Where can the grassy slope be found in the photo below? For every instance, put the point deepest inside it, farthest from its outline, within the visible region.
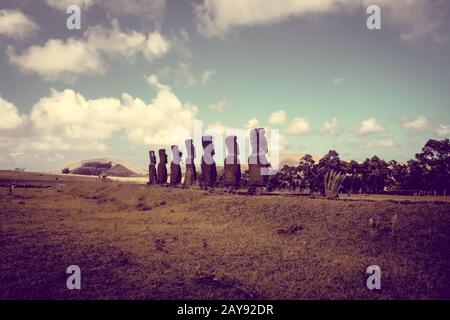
(140, 242)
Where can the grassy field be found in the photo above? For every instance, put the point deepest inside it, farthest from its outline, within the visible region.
(139, 242)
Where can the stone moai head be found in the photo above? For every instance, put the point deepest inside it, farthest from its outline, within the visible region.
(152, 156)
(232, 145)
(258, 141)
(162, 156)
(190, 149)
(176, 154)
(208, 149)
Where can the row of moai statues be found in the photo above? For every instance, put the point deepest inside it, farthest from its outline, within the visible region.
(259, 168)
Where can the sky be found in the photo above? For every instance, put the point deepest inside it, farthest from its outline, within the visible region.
(141, 74)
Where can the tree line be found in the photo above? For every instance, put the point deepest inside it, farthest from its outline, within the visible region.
(428, 173)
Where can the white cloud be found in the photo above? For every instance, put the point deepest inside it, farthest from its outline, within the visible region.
(58, 59)
(219, 106)
(252, 123)
(218, 17)
(420, 123)
(370, 126)
(443, 130)
(298, 126)
(67, 121)
(415, 19)
(153, 81)
(331, 127)
(66, 60)
(114, 42)
(9, 115)
(277, 117)
(217, 127)
(156, 46)
(15, 24)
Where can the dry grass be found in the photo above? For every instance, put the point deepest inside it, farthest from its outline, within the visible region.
(139, 242)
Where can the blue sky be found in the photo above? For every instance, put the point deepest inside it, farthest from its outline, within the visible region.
(140, 73)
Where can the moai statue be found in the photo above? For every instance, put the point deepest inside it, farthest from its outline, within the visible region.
(258, 165)
(152, 177)
(162, 169)
(191, 174)
(175, 167)
(232, 177)
(209, 170)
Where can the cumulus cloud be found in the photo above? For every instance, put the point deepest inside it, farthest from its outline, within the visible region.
(155, 46)
(9, 115)
(298, 126)
(67, 121)
(331, 127)
(252, 123)
(16, 25)
(219, 106)
(218, 17)
(370, 126)
(58, 59)
(420, 123)
(443, 130)
(277, 117)
(416, 19)
(217, 127)
(68, 59)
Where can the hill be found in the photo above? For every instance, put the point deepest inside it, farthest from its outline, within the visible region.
(119, 167)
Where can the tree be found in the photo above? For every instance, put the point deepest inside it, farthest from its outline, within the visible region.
(434, 161)
(307, 170)
(375, 175)
(65, 171)
(353, 182)
(397, 174)
(329, 162)
(414, 179)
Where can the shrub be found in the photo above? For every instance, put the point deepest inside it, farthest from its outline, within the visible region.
(91, 171)
(98, 165)
(332, 183)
